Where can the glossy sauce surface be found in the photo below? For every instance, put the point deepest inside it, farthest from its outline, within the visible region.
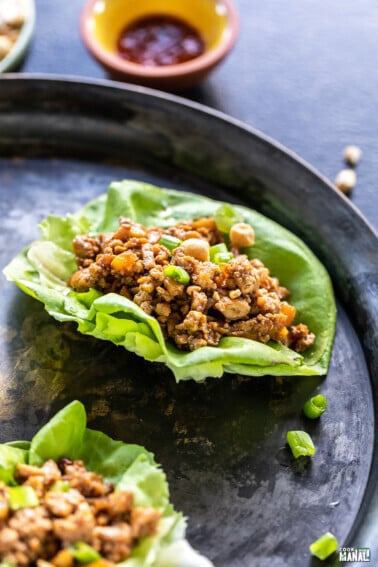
(159, 40)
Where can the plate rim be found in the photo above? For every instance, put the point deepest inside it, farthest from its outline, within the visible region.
(77, 80)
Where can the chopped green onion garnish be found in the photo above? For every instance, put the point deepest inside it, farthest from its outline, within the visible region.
(225, 216)
(324, 546)
(222, 257)
(22, 497)
(314, 407)
(177, 273)
(83, 552)
(6, 476)
(300, 444)
(217, 249)
(60, 486)
(170, 242)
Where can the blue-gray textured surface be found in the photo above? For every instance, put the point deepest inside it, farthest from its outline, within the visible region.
(304, 73)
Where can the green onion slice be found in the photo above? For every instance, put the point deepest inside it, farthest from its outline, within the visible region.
(324, 546)
(315, 407)
(225, 216)
(177, 273)
(60, 486)
(84, 553)
(300, 444)
(222, 257)
(22, 497)
(218, 249)
(170, 242)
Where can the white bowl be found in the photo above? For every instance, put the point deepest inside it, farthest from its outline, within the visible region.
(18, 51)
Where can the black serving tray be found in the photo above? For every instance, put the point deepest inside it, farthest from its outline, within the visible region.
(222, 443)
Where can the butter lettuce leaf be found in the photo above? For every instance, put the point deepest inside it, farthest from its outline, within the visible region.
(44, 267)
(129, 467)
(10, 457)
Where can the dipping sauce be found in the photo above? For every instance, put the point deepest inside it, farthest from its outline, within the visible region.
(159, 40)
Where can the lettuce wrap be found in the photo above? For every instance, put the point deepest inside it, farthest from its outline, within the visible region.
(129, 467)
(42, 270)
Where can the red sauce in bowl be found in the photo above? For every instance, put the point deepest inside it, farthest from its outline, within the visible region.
(159, 40)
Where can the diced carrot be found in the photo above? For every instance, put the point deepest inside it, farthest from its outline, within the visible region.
(289, 311)
(261, 301)
(122, 233)
(63, 559)
(124, 263)
(282, 334)
(4, 510)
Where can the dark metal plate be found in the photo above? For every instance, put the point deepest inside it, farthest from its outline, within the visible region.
(222, 443)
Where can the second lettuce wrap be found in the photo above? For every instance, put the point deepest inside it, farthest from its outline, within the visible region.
(129, 467)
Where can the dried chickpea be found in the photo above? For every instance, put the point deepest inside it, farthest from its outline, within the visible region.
(197, 248)
(345, 180)
(352, 155)
(242, 235)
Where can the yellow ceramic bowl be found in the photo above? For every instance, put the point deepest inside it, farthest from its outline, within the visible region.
(103, 21)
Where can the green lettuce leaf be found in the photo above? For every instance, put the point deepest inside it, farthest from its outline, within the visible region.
(129, 467)
(44, 267)
(10, 457)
